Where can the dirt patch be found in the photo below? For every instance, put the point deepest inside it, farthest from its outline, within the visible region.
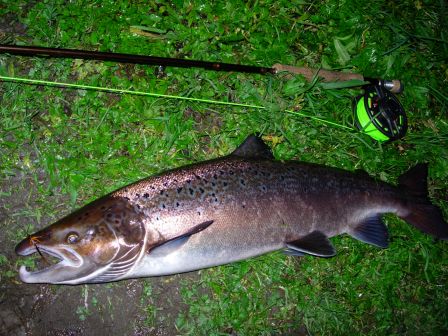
(206, 120)
(10, 28)
(115, 309)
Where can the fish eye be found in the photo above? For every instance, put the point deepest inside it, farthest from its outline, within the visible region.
(72, 238)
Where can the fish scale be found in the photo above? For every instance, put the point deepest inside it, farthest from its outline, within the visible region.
(224, 210)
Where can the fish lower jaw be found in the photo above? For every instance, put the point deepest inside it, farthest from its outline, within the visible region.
(44, 275)
(30, 277)
(23, 273)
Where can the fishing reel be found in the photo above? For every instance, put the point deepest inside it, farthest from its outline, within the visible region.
(379, 113)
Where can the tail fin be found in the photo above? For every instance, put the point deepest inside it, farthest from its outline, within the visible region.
(423, 215)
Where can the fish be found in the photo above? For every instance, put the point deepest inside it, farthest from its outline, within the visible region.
(223, 210)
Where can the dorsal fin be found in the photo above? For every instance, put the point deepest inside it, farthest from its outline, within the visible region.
(255, 148)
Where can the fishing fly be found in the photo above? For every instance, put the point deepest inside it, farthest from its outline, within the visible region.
(35, 240)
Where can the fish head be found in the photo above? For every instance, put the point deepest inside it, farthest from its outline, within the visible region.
(98, 243)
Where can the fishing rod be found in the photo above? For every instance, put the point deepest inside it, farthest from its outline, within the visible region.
(377, 113)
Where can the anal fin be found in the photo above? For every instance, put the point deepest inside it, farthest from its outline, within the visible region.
(371, 231)
(316, 243)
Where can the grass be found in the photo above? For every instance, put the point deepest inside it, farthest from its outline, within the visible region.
(71, 146)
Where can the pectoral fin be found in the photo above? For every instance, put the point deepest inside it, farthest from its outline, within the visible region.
(172, 245)
(196, 229)
(315, 243)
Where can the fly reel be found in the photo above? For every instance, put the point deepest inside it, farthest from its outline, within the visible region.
(378, 112)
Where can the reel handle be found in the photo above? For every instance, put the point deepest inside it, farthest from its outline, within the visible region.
(394, 86)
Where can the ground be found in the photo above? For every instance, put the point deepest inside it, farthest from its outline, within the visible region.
(61, 148)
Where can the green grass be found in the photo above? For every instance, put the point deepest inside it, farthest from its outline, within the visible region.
(71, 146)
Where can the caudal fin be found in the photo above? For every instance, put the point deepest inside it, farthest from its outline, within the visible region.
(423, 215)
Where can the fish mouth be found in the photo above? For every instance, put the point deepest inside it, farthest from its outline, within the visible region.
(54, 259)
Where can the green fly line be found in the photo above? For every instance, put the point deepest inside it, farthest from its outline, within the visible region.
(158, 95)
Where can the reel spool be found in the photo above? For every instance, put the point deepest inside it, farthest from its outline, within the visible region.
(379, 114)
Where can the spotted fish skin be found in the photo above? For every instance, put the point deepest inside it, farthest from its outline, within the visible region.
(234, 187)
(256, 207)
(228, 209)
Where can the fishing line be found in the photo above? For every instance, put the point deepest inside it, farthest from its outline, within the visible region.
(159, 95)
(377, 113)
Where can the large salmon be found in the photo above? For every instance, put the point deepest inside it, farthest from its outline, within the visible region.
(223, 210)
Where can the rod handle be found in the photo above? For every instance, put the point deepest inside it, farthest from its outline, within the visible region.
(326, 75)
(394, 86)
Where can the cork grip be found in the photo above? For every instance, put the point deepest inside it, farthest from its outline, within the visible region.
(327, 76)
